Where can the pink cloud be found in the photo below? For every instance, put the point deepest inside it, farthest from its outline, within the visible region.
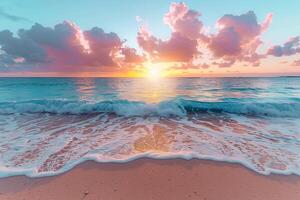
(291, 47)
(183, 42)
(176, 49)
(146, 40)
(183, 20)
(64, 47)
(296, 63)
(238, 38)
(226, 43)
(267, 22)
(130, 55)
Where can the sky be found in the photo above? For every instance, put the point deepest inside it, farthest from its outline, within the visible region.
(149, 38)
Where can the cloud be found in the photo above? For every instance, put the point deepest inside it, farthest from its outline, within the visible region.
(245, 25)
(226, 43)
(237, 39)
(183, 42)
(176, 49)
(187, 66)
(12, 17)
(21, 47)
(291, 47)
(296, 63)
(138, 19)
(185, 21)
(268, 21)
(130, 55)
(64, 47)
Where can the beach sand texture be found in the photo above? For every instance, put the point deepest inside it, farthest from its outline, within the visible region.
(148, 179)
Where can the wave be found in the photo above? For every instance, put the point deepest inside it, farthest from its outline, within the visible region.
(176, 107)
(34, 173)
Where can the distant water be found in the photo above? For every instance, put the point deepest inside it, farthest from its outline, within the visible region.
(49, 125)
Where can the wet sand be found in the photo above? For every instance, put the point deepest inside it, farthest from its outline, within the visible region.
(148, 179)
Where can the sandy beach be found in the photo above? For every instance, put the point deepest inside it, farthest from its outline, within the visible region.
(156, 180)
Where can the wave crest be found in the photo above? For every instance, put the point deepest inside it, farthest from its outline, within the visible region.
(178, 107)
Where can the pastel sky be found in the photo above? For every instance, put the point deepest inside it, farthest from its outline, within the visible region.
(149, 38)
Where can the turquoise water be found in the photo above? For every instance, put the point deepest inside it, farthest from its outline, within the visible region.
(49, 125)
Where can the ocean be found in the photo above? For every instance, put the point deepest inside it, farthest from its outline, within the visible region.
(49, 125)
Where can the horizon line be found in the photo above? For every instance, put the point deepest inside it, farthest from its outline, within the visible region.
(145, 77)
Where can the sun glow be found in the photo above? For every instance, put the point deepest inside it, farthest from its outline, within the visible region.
(155, 71)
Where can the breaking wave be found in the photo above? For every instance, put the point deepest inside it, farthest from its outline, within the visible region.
(176, 107)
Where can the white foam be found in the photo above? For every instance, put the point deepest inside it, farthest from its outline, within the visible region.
(42, 144)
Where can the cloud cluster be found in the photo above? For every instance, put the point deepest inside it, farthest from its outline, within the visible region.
(64, 45)
(237, 38)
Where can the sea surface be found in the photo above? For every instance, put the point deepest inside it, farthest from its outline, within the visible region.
(49, 125)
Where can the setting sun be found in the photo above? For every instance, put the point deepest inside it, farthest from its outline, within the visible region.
(154, 73)
(154, 70)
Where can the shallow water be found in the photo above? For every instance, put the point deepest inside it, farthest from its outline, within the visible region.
(48, 125)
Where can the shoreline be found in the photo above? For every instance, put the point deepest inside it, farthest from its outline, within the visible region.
(145, 157)
(147, 178)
